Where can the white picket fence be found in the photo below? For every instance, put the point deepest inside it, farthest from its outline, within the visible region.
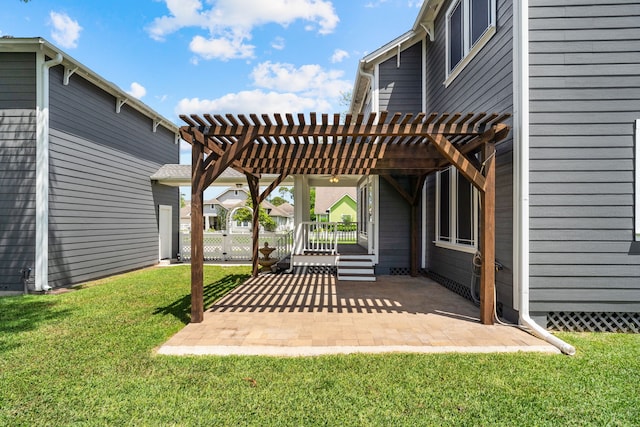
(220, 246)
(310, 237)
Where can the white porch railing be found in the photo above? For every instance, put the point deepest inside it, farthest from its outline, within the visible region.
(219, 246)
(323, 237)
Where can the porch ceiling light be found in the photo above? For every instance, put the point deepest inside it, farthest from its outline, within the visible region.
(334, 179)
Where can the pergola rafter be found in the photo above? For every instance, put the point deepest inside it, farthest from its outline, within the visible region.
(381, 144)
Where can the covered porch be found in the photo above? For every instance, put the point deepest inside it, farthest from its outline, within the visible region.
(391, 147)
(314, 314)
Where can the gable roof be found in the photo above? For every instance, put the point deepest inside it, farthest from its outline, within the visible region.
(75, 67)
(423, 25)
(326, 197)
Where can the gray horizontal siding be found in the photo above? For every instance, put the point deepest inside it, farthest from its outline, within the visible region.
(17, 167)
(400, 88)
(17, 195)
(17, 81)
(394, 245)
(584, 99)
(88, 112)
(484, 85)
(103, 206)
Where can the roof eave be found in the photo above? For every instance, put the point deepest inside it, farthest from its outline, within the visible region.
(39, 44)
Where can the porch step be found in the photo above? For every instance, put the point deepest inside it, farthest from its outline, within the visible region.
(357, 268)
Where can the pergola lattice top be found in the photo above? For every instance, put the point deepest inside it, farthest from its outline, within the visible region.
(414, 145)
(374, 144)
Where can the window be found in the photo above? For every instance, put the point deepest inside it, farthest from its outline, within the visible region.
(456, 212)
(470, 25)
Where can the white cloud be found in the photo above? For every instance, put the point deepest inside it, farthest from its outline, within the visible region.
(311, 80)
(256, 101)
(377, 3)
(137, 90)
(229, 23)
(280, 88)
(415, 3)
(221, 48)
(339, 55)
(65, 31)
(278, 43)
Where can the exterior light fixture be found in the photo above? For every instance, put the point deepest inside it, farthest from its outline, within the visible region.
(334, 179)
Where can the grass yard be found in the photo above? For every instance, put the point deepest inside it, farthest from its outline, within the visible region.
(87, 358)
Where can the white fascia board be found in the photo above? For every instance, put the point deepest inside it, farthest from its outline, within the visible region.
(390, 49)
(39, 44)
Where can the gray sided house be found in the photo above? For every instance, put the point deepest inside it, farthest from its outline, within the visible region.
(76, 156)
(567, 203)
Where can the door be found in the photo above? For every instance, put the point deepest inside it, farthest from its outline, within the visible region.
(165, 231)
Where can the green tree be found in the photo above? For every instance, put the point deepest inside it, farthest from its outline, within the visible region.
(345, 101)
(312, 203)
(286, 192)
(183, 202)
(277, 200)
(245, 215)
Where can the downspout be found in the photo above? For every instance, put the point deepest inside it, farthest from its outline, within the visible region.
(374, 89)
(373, 236)
(42, 173)
(521, 155)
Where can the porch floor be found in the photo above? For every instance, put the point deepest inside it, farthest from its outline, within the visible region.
(303, 315)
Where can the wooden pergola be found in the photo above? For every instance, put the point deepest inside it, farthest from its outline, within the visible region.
(380, 144)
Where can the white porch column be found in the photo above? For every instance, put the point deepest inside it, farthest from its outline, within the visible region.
(301, 202)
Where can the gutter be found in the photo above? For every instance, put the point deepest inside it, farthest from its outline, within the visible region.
(42, 171)
(521, 187)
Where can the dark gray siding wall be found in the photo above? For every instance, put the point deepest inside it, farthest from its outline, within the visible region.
(17, 167)
(585, 96)
(395, 230)
(103, 206)
(400, 88)
(484, 85)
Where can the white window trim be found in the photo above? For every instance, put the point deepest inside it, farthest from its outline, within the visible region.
(453, 216)
(469, 52)
(637, 144)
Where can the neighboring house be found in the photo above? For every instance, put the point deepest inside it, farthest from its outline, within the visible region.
(336, 204)
(568, 204)
(216, 212)
(76, 156)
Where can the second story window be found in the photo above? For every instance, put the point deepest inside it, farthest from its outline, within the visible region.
(470, 24)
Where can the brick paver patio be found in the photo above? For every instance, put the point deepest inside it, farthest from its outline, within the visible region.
(314, 314)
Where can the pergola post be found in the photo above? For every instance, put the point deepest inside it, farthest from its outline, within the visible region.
(197, 234)
(488, 238)
(254, 189)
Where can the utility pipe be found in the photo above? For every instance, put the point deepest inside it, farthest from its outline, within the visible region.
(521, 153)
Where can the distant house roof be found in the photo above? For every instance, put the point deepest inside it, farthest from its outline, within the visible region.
(287, 207)
(326, 197)
(285, 210)
(274, 210)
(38, 44)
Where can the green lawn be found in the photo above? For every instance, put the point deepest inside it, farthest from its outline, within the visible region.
(87, 358)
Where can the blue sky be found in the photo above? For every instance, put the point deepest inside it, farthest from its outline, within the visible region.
(218, 56)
